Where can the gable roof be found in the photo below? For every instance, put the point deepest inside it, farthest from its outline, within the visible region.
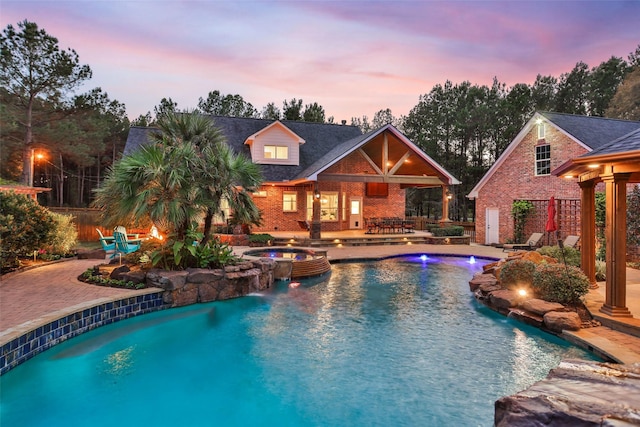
(589, 132)
(348, 147)
(277, 124)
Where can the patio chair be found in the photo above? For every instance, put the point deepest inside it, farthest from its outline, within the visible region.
(570, 241)
(108, 244)
(124, 245)
(531, 244)
(304, 225)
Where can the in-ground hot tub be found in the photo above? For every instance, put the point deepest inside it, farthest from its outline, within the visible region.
(294, 263)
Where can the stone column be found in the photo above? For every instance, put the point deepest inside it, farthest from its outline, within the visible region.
(588, 230)
(316, 224)
(616, 241)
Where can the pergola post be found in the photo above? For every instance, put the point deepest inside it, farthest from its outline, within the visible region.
(616, 238)
(588, 230)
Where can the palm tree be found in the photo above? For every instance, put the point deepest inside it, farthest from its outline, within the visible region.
(180, 179)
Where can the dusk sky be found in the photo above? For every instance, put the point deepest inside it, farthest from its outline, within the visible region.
(352, 57)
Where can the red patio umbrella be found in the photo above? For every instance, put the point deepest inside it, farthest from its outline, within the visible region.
(551, 217)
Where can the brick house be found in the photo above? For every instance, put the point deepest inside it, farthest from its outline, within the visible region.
(331, 176)
(523, 172)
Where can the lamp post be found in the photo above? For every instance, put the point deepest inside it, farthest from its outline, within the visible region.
(33, 157)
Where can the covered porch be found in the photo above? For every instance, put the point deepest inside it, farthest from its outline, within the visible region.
(371, 178)
(616, 165)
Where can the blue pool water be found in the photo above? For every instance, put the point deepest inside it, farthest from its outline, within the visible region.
(399, 342)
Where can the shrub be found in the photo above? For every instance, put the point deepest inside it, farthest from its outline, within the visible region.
(63, 237)
(517, 272)
(454, 230)
(520, 211)
(260, 238)
(559, 283)
(182, 254)
(25, 226)
(571, 255)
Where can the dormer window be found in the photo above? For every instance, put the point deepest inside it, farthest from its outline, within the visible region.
(275, 144)
(543, 159)
(279, 152)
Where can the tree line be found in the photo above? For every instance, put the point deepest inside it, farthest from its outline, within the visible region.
(462, 126)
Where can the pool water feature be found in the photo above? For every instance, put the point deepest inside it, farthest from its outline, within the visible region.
(294, 263)
(398, 342)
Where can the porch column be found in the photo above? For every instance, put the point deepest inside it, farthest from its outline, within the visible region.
(445, 204)
(316, 224)
(616, 241)
(588, 230)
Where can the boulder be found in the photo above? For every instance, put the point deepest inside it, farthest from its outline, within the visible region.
(557, 321)
(167, 280)
(576, 393)
(503, 299)
(525, 316)
(136, 276)
(203, 275)
(116, 273)
(540, 306)
(479, 279)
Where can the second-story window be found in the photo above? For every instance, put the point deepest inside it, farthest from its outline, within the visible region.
(280, 152)
(543, 159)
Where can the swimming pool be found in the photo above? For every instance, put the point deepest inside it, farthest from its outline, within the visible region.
(398, 342)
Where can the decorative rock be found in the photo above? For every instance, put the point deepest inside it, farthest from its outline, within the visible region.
(576, 393)
(525, 316)
(487, 288)
(203, 275)
(186, 295)
(558, 321)
(167, 280)
(116, 273)
(503, 299)
(479, 279)
(136, 277)
(540, 306)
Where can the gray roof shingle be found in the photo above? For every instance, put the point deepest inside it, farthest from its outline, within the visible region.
(593, 131)
(627, 143)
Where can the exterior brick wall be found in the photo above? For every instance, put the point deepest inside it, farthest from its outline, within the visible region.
(515, 180)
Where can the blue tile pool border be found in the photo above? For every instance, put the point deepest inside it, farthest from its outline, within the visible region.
(23, 346)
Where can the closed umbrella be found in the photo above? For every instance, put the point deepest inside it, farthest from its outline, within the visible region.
(551, 226)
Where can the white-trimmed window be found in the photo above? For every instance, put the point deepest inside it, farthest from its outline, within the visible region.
(279, 152)
(329, 206)
(260, 193)
(541, 131)
(289, 201)
(309, 206)
(543, 159)
(344, 206)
